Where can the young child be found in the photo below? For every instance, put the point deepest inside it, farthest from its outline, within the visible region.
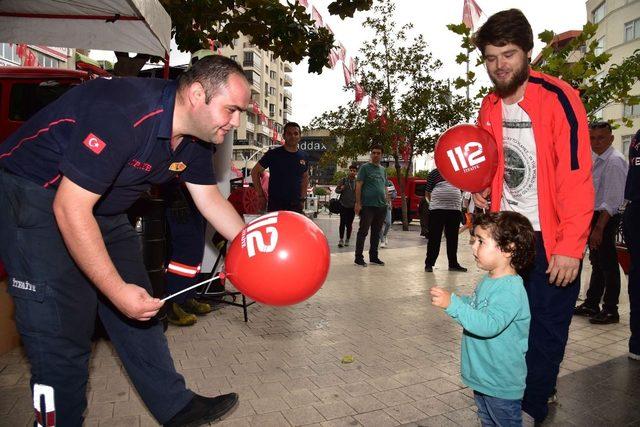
(496, 317)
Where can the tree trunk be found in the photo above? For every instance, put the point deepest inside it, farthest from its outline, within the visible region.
(403, 196)
(405, 203)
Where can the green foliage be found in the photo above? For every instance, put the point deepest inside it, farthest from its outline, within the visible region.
(400, 73)
(598, 86)
(337, 177)
(422, 174)
(392, 172)
(346, 8)
(285, 29)
(467, 55)
(320, 191)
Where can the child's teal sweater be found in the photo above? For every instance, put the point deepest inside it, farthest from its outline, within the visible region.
(495, 338)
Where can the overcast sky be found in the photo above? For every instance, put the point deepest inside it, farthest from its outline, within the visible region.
(314, 94)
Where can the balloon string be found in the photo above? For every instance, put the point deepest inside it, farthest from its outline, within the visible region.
(193, 286)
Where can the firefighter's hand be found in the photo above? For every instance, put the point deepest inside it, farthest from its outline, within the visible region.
(135, 302)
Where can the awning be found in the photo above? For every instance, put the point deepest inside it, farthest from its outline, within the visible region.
(140, 26)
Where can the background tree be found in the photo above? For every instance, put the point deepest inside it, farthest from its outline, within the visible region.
(584, 71)
(414, 106)
(287, 30)
(337, 177)
(598, 89)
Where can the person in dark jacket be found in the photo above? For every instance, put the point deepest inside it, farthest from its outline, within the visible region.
(67, 176)
(347, 190)
(631, 223)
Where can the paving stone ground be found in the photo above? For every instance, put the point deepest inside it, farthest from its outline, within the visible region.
(285, 363)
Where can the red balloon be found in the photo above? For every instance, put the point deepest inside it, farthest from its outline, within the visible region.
(280, 258)
(467, 157)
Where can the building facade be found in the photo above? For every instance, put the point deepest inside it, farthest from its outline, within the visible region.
(270, 93)
(619, 35)
(14, 55)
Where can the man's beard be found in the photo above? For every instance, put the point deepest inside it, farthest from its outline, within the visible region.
(507, 89)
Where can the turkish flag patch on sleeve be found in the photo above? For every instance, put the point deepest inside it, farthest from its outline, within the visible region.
(94, 143)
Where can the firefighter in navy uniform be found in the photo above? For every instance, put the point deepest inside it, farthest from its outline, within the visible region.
(67, 176)
(186, 248)
(631, 224)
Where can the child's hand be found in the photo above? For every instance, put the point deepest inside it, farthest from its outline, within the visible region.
(440, 297)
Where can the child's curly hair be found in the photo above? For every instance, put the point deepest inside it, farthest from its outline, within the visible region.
(513, 234)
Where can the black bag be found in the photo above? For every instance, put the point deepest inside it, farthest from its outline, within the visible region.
(335, 206)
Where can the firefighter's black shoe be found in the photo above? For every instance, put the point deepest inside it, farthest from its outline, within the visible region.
(203, 410)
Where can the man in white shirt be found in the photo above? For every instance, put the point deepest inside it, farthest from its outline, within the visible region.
(609, 176)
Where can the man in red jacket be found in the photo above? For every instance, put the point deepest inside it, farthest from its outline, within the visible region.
(544, 172)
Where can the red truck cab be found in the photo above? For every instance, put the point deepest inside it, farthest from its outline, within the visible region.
(414, 191)
(25, 90)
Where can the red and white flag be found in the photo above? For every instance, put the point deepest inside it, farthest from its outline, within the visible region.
(94, 143)
(333, 58)
(359, 92)
(342, 52)
(304, 3)
(236, 171)
(21, 51)
(406, 150)
(471, 14)
(32, 60)
(316, 17)
(215, 47)
(372, 112)
(347, 75)
(384, 122)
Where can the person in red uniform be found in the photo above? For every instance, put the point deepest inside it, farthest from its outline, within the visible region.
(544, 172)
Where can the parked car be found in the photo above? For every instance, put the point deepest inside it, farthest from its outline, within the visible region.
(414, 190)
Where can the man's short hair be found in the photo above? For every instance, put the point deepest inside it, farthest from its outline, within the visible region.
(212, 72)
(502, 28)
(353, 166)
(376, 146)
(290, 125)
(601, 125)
